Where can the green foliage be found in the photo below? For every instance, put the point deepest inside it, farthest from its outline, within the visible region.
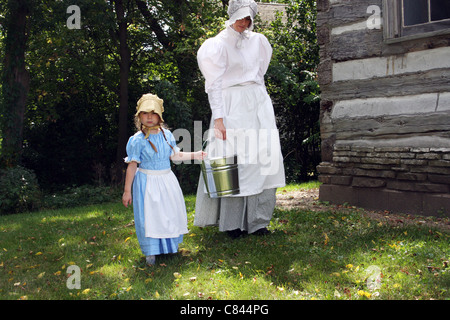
(71, 120)
(80, 196)
(292, 84)
(20, 190)
(21, 193)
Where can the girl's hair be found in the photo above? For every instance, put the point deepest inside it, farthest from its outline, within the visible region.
(140, 127)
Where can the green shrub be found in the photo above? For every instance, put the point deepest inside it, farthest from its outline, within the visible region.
(81, 196)
(19, 190)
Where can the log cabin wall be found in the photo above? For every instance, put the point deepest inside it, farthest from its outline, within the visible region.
(385, 109)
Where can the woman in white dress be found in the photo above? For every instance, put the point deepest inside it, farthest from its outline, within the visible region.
(233, 64)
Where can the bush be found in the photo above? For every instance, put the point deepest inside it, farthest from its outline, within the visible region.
(81, 196)
(19, 190)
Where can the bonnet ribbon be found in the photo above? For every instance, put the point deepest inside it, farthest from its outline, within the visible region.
(242, 36)
(148, 134)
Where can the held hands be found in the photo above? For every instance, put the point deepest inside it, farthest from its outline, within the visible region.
(199, 155)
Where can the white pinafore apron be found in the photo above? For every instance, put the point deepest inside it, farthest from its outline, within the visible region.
(164, 206)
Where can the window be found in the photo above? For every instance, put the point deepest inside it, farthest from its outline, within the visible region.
(413, 19)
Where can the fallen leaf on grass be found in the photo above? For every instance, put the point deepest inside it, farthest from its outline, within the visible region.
(326, 239)
(364, 294)
(336, 294)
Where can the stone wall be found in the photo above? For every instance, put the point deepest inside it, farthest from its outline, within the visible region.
(385, 114)
(267, 11)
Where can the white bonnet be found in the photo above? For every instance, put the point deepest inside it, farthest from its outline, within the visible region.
(239, 9)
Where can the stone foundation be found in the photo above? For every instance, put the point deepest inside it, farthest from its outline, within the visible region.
(400, 179)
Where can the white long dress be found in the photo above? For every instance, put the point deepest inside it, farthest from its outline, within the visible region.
(233, 65)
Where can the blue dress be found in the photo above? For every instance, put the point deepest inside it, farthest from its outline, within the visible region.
(159, 209)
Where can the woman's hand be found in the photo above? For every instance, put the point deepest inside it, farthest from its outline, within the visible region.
(219, 129)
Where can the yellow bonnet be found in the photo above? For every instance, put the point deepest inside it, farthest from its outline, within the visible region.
(150, 102)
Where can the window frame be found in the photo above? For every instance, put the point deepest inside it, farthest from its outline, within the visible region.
(394, 31)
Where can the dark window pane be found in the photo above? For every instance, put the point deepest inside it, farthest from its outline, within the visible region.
(415, 12)
(440, 10)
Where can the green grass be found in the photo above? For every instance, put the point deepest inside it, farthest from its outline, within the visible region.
(309, 255)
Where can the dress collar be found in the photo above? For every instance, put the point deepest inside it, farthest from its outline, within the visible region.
(240, 36)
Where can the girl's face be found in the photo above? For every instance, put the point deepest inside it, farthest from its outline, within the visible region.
(149, 119)
(242, 25)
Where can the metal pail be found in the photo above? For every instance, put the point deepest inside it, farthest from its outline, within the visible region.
(221, 176)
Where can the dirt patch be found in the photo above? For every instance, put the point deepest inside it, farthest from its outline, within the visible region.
(309, 200)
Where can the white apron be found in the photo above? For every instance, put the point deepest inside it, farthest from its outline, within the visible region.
(164, 206)
(249, 118)
(252, 135)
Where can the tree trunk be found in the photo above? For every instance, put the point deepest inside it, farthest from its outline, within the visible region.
(125, 60)
(16, 82)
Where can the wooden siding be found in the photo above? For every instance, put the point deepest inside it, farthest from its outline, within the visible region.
(385, 113)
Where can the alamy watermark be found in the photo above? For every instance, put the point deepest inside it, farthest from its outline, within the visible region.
(252, 146)
(374, 21)
(74, 280)
(373, 281)
(74, 21)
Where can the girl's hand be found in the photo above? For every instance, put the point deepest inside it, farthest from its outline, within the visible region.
(126, 199)
(200, 155)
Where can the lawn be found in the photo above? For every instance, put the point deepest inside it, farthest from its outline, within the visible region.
(310, 255)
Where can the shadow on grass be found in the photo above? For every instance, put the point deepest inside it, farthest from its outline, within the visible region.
(323, 255)
(308, 255)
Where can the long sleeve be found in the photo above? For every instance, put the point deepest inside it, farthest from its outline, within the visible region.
(212, 64)
(265, 55)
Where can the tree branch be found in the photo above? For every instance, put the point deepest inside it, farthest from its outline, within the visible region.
(154, 25)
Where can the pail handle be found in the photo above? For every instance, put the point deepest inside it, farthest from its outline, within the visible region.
(210, 140)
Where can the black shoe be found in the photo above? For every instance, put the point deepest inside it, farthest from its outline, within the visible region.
(236, 233)
(261, 232)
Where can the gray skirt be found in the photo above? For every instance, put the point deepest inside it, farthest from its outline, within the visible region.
(249, 213)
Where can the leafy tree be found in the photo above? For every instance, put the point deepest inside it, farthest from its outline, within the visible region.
(292, 84)
(84, 83)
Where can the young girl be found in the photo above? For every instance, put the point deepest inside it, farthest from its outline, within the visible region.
(159, 209)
